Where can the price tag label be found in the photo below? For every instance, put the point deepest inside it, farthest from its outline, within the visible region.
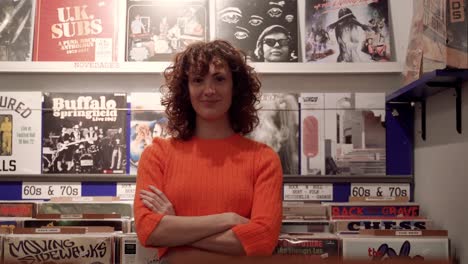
(308, 192)
(126, 191)
(44, 190)
(380, 190)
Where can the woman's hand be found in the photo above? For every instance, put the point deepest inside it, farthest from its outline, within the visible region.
(157, 201)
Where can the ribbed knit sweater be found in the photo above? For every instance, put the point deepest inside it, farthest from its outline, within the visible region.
(212, 176)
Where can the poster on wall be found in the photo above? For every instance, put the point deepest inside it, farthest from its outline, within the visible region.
(267, 31)
(84, 133)
(76, 30)
(347, 31)
(20, 132)
(279, 128)
(16, 30)
(157, 29)
(148, 121)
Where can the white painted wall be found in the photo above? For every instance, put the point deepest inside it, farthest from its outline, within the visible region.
(441, 169)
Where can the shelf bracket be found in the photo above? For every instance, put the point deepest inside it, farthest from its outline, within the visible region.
(423, 119)
(458, 104)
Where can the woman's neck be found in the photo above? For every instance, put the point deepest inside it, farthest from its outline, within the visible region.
(213, 129)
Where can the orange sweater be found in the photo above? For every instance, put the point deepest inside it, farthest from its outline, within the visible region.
(211, 176)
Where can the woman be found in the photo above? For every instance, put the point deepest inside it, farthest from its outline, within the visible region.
(209, 189)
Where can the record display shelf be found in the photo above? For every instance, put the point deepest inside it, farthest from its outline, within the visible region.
(159, 67)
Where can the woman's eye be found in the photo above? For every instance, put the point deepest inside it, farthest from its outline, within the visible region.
(256, 20)
(275, 12)
(220, 79)
(230, 15)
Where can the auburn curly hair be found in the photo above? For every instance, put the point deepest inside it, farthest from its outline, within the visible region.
(196, 60)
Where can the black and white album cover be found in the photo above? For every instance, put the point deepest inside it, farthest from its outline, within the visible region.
(16, 29)
(355, 134)
(84, 133)
(347, 31)
(266, 30)
(279, 128)
(157, 29)
(148, 121)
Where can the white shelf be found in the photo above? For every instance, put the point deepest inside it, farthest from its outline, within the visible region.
(159, 67)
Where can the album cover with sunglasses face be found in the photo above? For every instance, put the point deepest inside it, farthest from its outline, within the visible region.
(279, 128)
(351, 31)
(16, 29)
(267, 31)
(157, 29)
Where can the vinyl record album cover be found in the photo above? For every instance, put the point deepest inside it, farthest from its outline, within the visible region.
(279, 128)
(76, 30)
(16, 29)
(157, 29)
(20, 132)
(312, 133)
(148, 121)
(347, 31)
(266, 30)
(84, 133)
(355, 134)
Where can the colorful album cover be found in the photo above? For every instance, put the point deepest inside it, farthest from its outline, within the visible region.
(148, 121)
(267, 31)
(20, 132)
(347, 31)
(377, 210)
(279, 128)
(355, 134)
(386, 248)
(404, 223)
(319, 244)
(125, 209)
(17, 209)
(59, 249)
(16, 29)
(76, 30)
(84, 133)
(312, 133)
(157, 29)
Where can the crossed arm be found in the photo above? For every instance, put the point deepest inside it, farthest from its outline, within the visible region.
(211, 232)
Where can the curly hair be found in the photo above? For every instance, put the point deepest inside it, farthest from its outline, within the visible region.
(195, 60)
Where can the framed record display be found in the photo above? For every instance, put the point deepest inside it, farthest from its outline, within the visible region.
(267, 31)
(157, 29)
(279, 128)
(347, 31)
(20, 132)
(148, 121)
(16, 30)
(84, 133)
(76, 30)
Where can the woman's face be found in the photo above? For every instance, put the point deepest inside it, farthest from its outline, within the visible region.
(211, 95)
(276, 47)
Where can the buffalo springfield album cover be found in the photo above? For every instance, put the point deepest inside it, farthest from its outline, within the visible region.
(16, 29)
(76, 30)
(266, 30)
(148, 121)
(84, 133)
(20, 132)
(279, 128)
(157, 29)
(347, 31)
